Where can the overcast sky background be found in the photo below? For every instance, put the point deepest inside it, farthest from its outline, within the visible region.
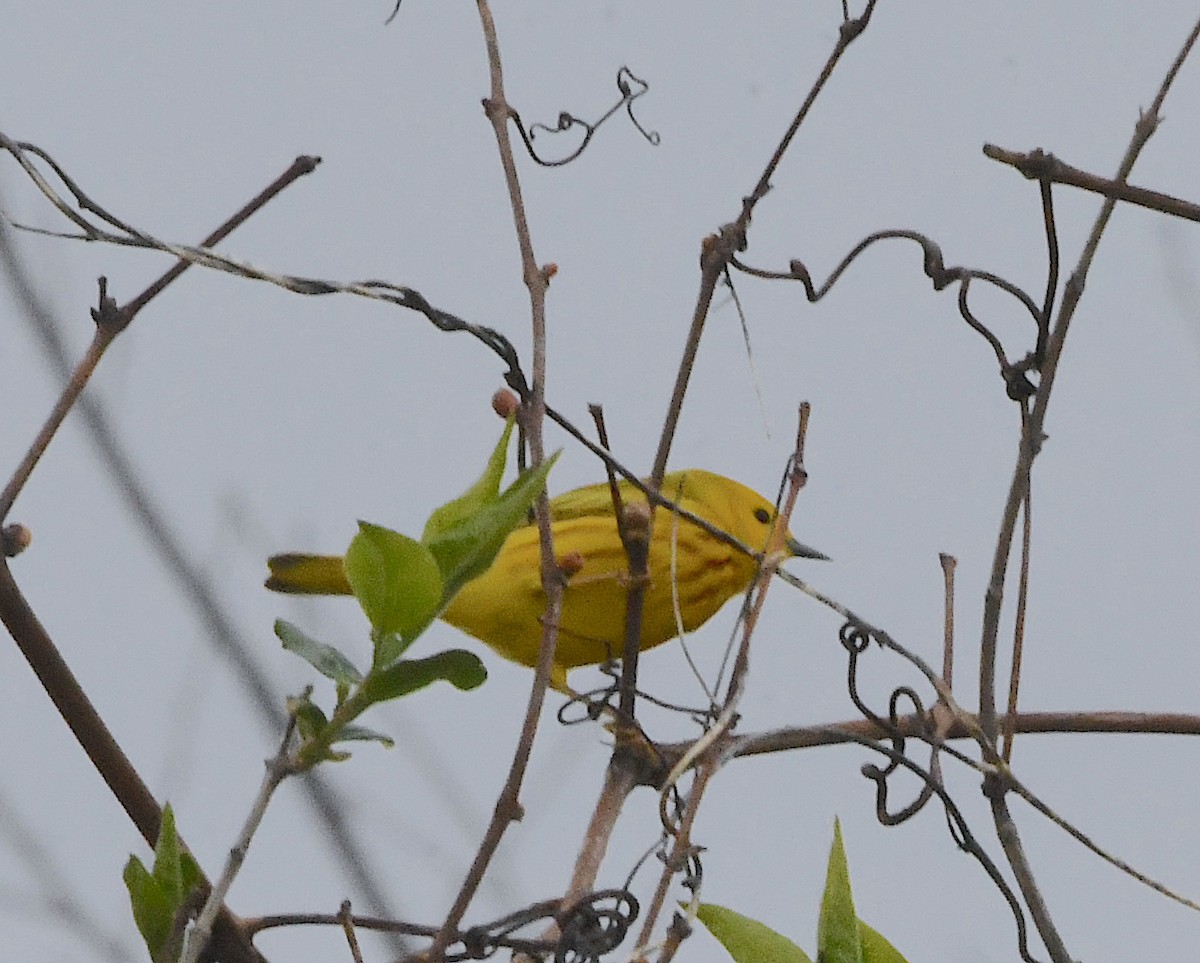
(264, 421)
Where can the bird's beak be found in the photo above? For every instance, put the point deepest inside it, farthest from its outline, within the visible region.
(800, 550)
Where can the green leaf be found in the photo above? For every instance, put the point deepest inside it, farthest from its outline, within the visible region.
(395, 579)
(466, 544)
(324, 658)
(192, 875)
(748, 940)
(157, 896)
(876, 948)
(153, 909)
(168, 872)
(838, 938)
(310, 720)
(353, 733)
(460, 668)
(453, 514)
(389, 646)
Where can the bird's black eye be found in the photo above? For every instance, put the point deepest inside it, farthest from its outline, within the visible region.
(762, 515)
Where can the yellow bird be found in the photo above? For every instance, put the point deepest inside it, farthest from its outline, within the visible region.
(690, 572)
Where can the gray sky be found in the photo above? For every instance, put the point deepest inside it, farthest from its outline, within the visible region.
(264, 421)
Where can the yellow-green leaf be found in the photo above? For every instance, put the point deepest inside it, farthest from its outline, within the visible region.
(837, 928)
(747, 940)
(876, 948)
(395, 579)
(465, 534)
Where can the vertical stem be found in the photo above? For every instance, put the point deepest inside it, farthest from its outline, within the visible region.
(508, 806)
(949, 564)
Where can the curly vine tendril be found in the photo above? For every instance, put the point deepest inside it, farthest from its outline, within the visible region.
(629, 86)
(856, 638)
(1014, 373)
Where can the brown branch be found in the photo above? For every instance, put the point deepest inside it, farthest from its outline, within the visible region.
(620, 779)
(228, 943)
(718, 250)
(1040, 166)
(1031, 440)
(1018, 647)
(852, 730)
(508, 805)
(680, 854)
(625, 772)
(197, 588)
(1032, 437)
(715, 253)
(111, 320)
(709, 750)
(757, 596)
(949, 563)
(849, 31)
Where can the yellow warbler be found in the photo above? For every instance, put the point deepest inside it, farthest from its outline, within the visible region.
(690, 572)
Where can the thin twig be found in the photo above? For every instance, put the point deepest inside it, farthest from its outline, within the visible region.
(1079, 836)
(1095, 722)
(508, 806)
(111, 321)
(717, 251)
(634, 530)
(197, 588)
(849, 31)
(1031, 441)
(681, 852)
(102, 749)
(1039, 166)
(719, 732)
(278, 769)
(949, 563)
(347, 921)
(1018, 649)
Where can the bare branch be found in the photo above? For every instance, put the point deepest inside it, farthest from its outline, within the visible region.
(1047, 169)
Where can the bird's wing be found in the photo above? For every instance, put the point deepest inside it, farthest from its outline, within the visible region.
(596, 500)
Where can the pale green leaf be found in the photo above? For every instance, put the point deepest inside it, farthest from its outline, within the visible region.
(324, 658)
(876, 948)
(837, 929)
(168, 871)
(465, 550)
(157, 896)
(465, 534)
(454, 513)
(153, 908)
(355, 733)
(395, 579)
(747, 940)
(460, 668)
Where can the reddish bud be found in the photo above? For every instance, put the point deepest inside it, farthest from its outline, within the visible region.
(14, 539)
(570, 564)
(505, 403)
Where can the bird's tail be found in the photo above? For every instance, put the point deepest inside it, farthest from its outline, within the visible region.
(301, 574)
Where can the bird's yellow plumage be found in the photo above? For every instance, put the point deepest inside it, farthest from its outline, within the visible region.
(688, 569)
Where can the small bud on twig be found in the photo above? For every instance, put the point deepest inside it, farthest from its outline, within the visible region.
(635, 520)
(570, 564)
(505, 403)
(14, 539)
